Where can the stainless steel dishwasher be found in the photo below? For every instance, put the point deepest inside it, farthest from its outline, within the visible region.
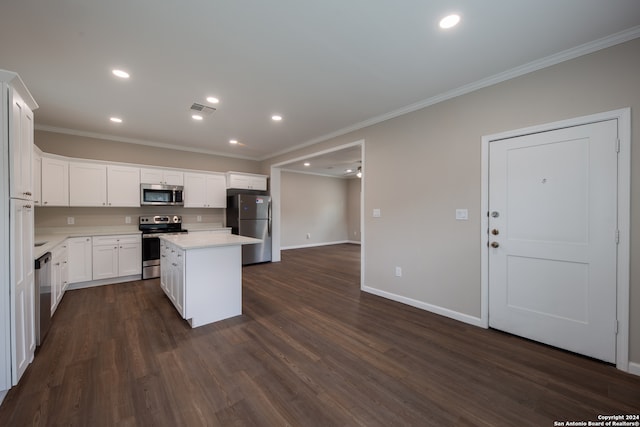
(43, 296)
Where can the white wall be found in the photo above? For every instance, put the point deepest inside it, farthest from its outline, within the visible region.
(423, 165)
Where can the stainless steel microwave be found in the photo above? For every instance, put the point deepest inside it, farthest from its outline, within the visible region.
(161, 195)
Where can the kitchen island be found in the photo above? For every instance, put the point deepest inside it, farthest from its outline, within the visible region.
(201, 274)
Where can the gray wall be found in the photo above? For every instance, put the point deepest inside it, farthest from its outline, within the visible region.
(353, 209)
(421, 166)
(108, 150)
(313, 204)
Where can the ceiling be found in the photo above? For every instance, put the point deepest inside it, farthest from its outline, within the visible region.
(326, 67)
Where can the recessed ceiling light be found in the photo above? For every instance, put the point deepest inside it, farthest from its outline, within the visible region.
(307, 164)
(212, 100)
(120, 73)
(276, 118)
(449, 21)
(116, 119)
(233, 141)
(196, 117)
(348, 171)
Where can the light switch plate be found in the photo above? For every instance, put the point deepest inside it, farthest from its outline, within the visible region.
(462, 214)
(377, 213)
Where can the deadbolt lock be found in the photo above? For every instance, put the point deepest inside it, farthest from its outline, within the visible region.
(495, 214)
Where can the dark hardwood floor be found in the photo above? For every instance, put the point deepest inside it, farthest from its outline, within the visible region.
(309, 350)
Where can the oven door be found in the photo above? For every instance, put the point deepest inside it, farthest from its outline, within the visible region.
(150, 256)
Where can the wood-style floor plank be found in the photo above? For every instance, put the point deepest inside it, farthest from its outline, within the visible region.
(310, 349)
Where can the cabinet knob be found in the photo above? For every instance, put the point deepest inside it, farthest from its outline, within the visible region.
(46, 203)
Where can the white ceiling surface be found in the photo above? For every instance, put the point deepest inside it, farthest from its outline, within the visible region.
(326, 66)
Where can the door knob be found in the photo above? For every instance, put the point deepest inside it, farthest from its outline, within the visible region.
(495, 232)
(495, 244)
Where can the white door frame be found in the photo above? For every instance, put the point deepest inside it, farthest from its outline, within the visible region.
(275, 201)
(624, 217)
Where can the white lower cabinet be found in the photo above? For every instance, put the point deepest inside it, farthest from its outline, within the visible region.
(172, 274)
(22, 283)
(59, 274)
(80, 259)
(116, 256)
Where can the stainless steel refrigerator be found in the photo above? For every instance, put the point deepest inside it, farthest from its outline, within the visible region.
(250, 215)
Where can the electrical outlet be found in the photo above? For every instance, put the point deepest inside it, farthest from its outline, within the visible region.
(199, 218)
(308, 235)
(127, 220)
(398, 271)
(71, 220)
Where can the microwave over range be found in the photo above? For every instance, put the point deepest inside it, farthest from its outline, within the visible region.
(161, 195)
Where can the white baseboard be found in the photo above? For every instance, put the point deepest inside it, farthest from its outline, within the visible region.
(313, 245)
(111, 281)
(475, 321)
(634, 368)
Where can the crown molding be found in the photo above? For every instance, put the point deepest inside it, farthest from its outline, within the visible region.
(136, 141)
(557, 58)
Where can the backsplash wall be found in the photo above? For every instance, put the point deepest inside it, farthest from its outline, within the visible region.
(99, 216)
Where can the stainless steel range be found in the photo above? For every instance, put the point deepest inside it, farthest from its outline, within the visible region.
(152, 226)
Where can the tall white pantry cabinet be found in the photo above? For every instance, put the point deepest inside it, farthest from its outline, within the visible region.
(17, 329)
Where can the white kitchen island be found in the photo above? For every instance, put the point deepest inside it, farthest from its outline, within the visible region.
(202, 275)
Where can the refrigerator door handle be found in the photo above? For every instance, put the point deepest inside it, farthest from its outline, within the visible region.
(269, 221)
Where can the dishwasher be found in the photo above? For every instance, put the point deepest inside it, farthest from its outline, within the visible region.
(43, 296)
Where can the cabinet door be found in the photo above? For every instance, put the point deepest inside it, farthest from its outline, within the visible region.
(239, 181)
(163, 266)
(129, 258)
(22, 308)
(258, 183)
(55, 182)
(123, 186)
(80, 262)
(60, 276)
(195, 185)
(105, 261)
(151, 176)
(87, 184)
(179, 290)
(216, 191)
(20, 148)
(172, 177)
(37, 179)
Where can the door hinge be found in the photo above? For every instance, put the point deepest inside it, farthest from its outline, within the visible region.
(616, 325)
(617, 145)
(617, 237)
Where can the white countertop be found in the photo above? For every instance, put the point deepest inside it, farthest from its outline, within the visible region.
(53, 236)
(202, 240)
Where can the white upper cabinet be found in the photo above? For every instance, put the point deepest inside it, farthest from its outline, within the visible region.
(20, 147)
(204, 190)
(55, 182)
(96, 184)
(87, 184)
(161, 176)
(246, 181)
(123, 185)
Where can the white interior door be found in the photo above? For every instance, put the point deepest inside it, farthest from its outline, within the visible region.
(553, 234)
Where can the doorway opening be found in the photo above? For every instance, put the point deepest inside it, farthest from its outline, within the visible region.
(336, 160)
